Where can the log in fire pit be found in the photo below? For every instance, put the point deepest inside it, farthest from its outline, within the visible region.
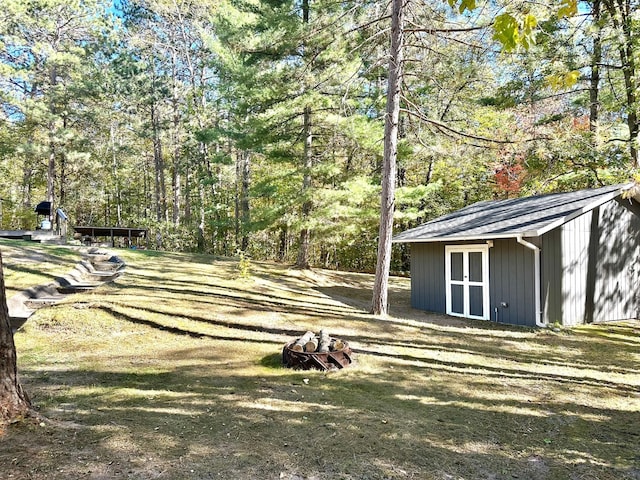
(319, 352)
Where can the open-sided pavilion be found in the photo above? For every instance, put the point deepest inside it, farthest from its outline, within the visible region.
(132, 236)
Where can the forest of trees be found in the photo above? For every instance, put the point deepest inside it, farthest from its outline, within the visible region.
(258, 125)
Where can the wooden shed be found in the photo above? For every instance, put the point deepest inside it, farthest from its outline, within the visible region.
(570, 258)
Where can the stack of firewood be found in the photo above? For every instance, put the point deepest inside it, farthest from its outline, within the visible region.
(321, 343)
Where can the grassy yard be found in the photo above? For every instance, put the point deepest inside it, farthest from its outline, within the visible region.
(173, 372)
(27, 264)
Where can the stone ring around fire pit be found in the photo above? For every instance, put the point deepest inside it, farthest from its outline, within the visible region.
(320, 352)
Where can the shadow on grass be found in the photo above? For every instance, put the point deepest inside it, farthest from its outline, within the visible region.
(181, 331)
(195, 422)
(380, 345)
(229, 296)
(384, 351)
(272, 361)
(223, 407)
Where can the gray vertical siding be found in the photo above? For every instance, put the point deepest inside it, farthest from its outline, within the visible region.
(551, 272)
(576, 239)
(617, 276)
(590, 266)
(427, 277)
(590, 271)
(511, 280)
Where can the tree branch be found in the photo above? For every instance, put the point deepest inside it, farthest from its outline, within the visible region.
(433, 31)
(443, 126)
(368, 24)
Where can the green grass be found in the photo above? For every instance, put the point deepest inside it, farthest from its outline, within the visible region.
(173, 372)
(27, 264)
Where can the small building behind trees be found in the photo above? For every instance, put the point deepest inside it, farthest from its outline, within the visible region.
(565, 258)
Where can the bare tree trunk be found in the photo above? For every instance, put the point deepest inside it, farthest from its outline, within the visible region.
(244, 199)
(160, 190)
(214, 182)
(198, 101)
(107, 209)
(237, 194)
(621, 15)
(62, 184)
(201, 224)
(147, 186)
(27, 178)
(307, 164)
(187, 194)
(63, 180)
(283, 244)
(14, 403)
(429, 176)
(176, 185)
(114, 172)
(305, 232)
(175, 177)
(51, 168)
(203, 150)
(380, 288)
(596, 59)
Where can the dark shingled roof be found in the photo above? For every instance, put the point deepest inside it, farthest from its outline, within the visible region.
(526, 217)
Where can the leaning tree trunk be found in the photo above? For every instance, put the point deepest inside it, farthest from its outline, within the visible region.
(380, 287)
(14, 403)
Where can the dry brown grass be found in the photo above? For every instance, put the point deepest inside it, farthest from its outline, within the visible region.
(174, 372)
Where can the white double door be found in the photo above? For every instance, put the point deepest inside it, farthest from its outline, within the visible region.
(467, 281)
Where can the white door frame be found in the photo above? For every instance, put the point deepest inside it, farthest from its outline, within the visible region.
(465, 282)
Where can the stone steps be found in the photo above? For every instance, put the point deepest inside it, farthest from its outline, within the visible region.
(78, 287)
(35, 303)
(53, 241)
(101, 277)
(97, 268)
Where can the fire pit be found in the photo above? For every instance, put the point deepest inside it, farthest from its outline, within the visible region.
(319, 352)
